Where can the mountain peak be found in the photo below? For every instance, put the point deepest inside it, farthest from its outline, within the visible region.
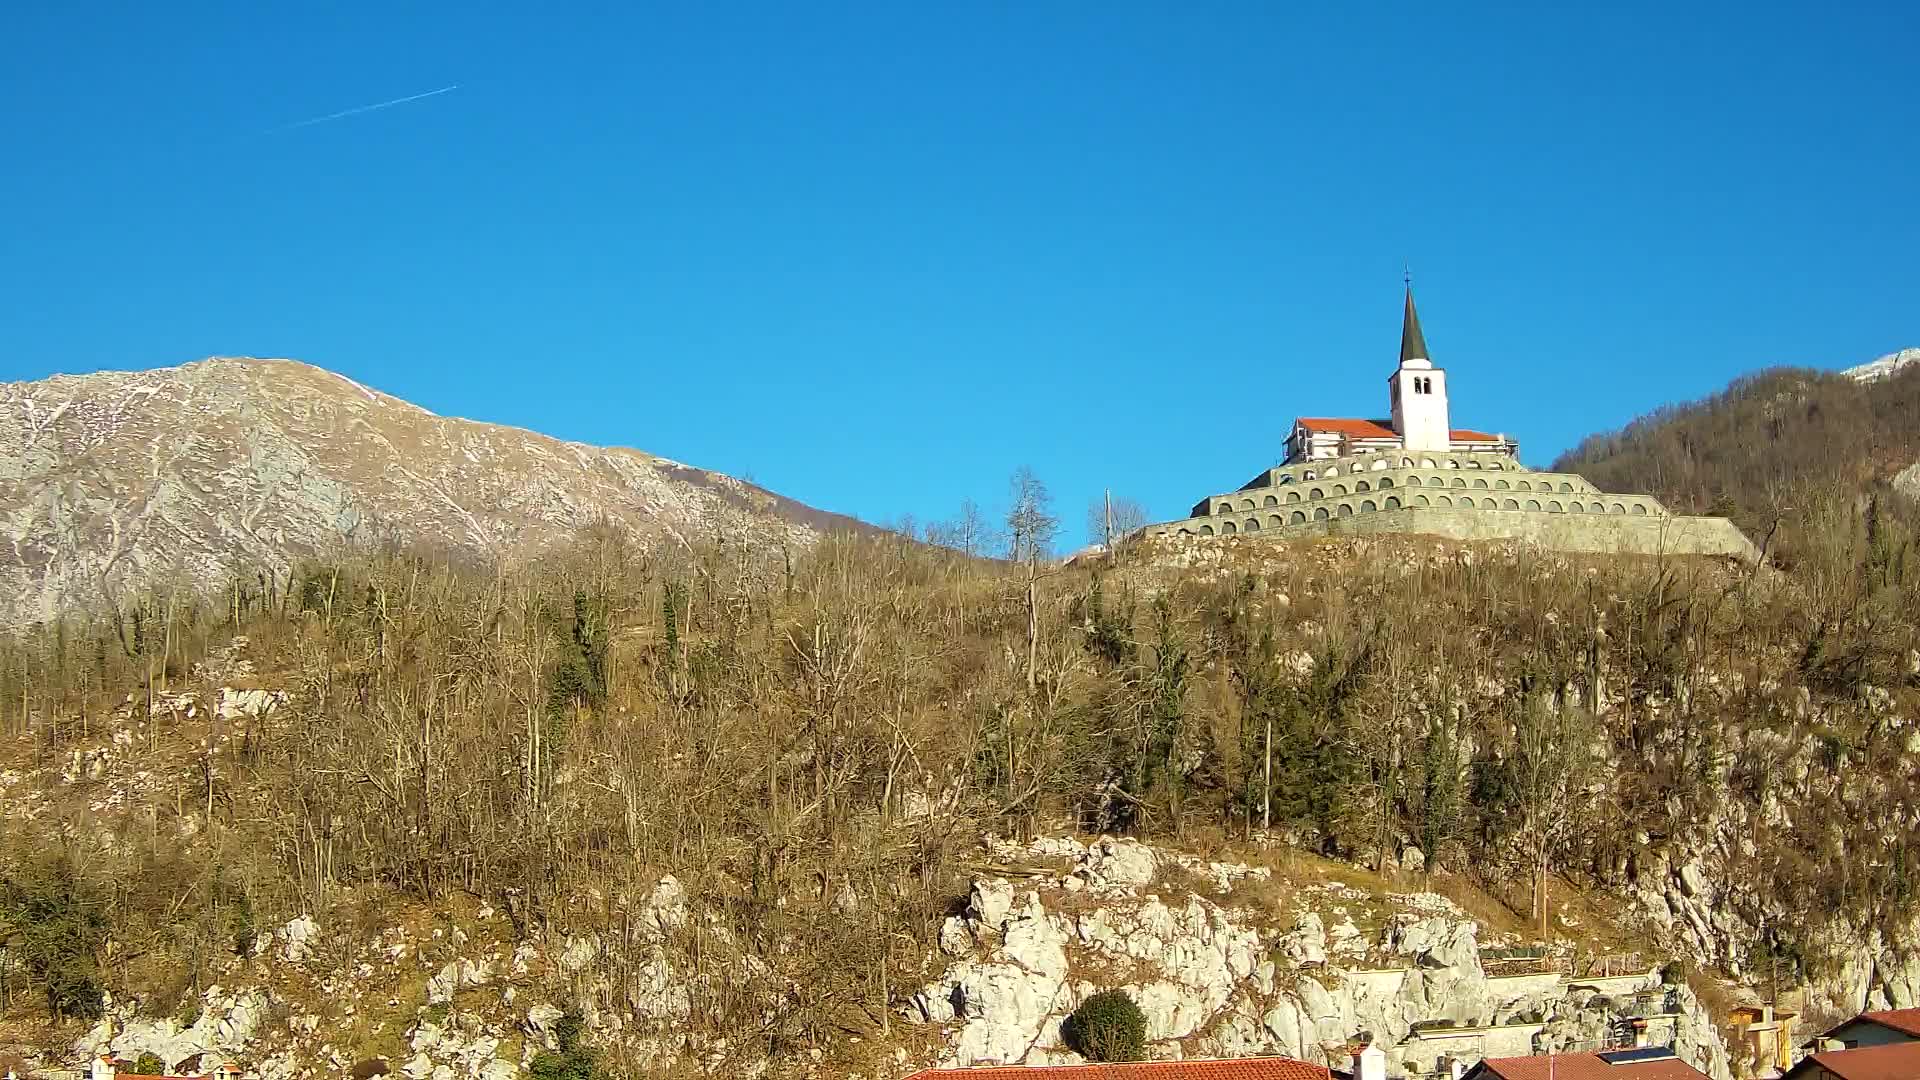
(228, 465)
(1883, 367)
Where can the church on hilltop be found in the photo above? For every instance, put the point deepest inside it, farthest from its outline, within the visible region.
(1414, 472)
(1418, 416)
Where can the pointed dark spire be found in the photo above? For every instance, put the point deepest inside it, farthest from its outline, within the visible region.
(1413, 344)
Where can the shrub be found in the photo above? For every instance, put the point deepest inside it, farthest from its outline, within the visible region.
(573, 1062)
(55, 924)
(1107, 1027)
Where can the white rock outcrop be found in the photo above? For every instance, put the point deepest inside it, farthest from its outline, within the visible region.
(298, 938)
(1216, 980)
(224, 1027)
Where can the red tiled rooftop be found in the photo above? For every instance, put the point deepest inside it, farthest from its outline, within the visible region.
(1905, 1021)
(1589, 1067)
(1894, 1061)
(1349, 426)
(1267, 1068)
(1356, 428)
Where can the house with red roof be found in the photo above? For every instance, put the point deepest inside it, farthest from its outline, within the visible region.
(1881, 1028)
(1637, 1063)
(1882, 1061)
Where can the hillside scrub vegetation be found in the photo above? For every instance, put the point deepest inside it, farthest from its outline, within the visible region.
(1769, 452)
(813, 747)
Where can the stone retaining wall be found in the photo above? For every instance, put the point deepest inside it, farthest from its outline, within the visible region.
(1605, 533)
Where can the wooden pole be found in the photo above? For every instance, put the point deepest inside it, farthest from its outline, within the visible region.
(1266, 809)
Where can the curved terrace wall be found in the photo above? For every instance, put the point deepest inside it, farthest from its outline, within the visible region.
(1415, 487)
(1647, 533)
(1463, 495)
(1377, 461)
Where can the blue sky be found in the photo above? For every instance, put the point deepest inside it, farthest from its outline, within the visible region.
(876, 257)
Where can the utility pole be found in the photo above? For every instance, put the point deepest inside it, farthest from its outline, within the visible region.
(1266, 806)
(1109, 521)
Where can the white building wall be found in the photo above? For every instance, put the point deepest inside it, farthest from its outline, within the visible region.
(1420, 412)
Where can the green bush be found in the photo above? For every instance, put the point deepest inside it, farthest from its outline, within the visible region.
(150, 1065)
(573, 1061)
(54, 925)
(1107, 1027)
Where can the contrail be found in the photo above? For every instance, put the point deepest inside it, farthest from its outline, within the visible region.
(366, 108)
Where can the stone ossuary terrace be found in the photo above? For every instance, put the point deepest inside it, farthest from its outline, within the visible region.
(1414, 473)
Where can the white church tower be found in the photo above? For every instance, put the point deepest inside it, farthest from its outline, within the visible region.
(1418, 390)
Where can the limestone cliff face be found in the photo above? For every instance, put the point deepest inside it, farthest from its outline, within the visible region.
(1701, 893)
(1224, 978)
(1222, 974)
(188, 475)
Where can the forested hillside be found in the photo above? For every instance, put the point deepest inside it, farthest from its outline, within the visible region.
(1774, 450)
(812, 751)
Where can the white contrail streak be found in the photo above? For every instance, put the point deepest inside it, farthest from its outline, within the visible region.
(369, 108)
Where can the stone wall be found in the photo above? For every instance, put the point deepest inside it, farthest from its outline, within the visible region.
(1296, 494)
(1322, 501)
(1608, 533)
(1488, 460)
(1422, 1051)
(1460, 496)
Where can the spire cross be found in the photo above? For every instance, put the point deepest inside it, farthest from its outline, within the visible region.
(1407, 276)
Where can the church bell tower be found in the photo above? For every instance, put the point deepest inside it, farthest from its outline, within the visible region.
(1418, 390)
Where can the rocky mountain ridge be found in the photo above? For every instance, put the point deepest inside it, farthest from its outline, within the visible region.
(1883, 368)
(236, 467)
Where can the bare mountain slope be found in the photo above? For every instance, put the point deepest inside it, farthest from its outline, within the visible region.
(113, 481)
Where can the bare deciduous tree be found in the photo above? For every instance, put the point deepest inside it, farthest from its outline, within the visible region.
(967, 532)
(1110, 519)
(1031, 526)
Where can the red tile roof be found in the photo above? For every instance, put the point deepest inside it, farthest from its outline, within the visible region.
(1355, 428)
(1267, 1068)
(1905, 1021)
(1588, 1067)
(1894, 1061)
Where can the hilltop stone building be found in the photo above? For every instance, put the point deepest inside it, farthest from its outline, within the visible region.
(1413, 472)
